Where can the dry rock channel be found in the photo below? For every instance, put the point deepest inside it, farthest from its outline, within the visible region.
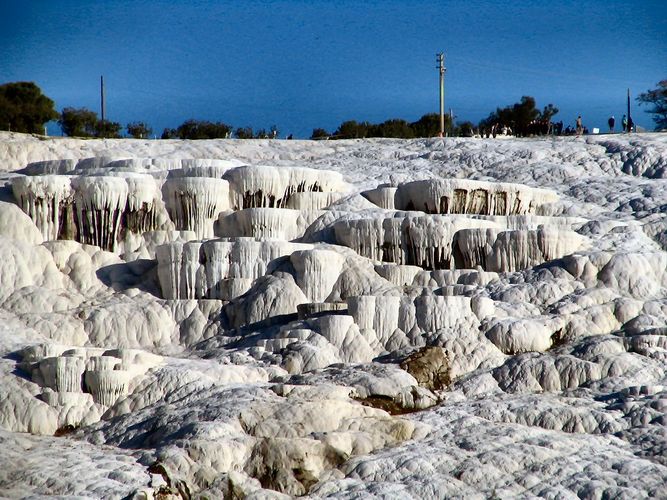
(456, 318)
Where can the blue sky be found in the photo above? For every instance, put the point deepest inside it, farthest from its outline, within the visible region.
(306, 64)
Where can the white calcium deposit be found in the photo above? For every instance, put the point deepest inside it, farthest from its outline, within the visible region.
(429, 318)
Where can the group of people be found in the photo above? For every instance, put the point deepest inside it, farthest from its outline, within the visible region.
(627, 124)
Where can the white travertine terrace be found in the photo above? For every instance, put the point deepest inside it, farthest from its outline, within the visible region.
(47, 200)
(375, 351)
(272, 187)
(195, 202)
(459, 196)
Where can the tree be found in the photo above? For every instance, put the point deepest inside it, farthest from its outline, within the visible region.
(244, 133)
(23, 108)
(429, 125)
(522, 117)
(108, 129)
(169, 133)
(464, 129)
(197, 129)
(353, 130)
(139, 130)
(392, 128)
(658, 98)
(319, 133)
(78, 122)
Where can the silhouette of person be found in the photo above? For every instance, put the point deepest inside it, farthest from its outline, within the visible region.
(624, 123)
(611, 122)
(579, 127)
(631, 125)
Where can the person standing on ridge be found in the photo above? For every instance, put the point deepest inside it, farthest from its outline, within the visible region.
(631, 125)
(624, 123)
(611, 122)
(579, 127)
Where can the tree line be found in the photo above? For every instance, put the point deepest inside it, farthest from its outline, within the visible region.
(23, 108)
(522, 118)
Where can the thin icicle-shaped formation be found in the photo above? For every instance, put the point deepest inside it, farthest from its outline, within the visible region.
(266, 223)
(217, 269)
(100, 203)
(143, 197)
(178, 267)
(272, 187)
(461, 196)
(194, 203)
(48, 202)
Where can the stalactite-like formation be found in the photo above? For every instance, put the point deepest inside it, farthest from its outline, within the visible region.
(460, 196)
(48, 202)
(272, 187)
(195, 202)
(107, 386)
(317, 272)
(99, 206)
(217, 269)
(63, 373)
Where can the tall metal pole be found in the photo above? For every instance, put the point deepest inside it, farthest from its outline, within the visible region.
(629, 120)
(102, 95)
(441, 68)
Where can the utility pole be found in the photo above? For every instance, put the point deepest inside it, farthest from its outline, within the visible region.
(102, 95)
(441, 68)
(629, 120)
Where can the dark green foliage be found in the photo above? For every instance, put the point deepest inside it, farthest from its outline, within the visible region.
(107, 129)
(522, 117)
(319, 133)
(464, 129)
(23, 108)
(169, 133)
(244, 133)
(139, 130)
(352, 130)
(197, 129)
(393, 128)
(427, 126)
(78, 122)
(658, 98)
